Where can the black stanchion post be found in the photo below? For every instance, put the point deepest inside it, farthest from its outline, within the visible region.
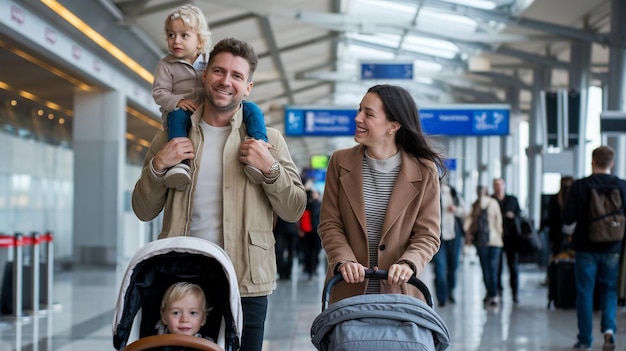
(49, 269)
(18, 277)
(6, 242)
(34, 277)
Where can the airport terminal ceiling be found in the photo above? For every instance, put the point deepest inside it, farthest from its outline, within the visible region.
(465, 51)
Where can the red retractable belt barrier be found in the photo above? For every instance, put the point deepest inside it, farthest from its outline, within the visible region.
(11, 240)
(46, 237)
(25, 240)
(7, 240)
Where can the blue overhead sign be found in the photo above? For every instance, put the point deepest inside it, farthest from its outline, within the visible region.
(390, 70)
(450, 163)
(314, 121)
(466, 120)
(461, 120)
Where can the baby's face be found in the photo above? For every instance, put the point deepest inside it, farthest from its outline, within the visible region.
(184, 316)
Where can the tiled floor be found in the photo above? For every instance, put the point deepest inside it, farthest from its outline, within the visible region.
(87, 298)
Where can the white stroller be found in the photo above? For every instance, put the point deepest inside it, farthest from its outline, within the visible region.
(162, 263)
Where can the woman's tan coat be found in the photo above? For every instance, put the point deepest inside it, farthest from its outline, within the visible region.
(411, 228)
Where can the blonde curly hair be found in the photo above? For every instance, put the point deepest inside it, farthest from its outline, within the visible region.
(193, 19)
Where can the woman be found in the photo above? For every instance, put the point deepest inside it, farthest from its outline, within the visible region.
(489, 249)
(380, 207)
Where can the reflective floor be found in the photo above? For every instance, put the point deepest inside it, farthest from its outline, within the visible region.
(86, 298)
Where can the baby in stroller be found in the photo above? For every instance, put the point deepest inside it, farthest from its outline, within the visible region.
(164, 264)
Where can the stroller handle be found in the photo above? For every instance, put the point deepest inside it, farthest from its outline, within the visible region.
(375, 274)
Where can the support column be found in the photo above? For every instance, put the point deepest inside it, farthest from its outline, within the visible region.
(99, 163)
(541, 77)
(510, 171)
(470, 174)
(455, 150)
(617, 79)
(580, 66)
(482, 160)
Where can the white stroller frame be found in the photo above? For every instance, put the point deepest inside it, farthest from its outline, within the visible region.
(178, 259)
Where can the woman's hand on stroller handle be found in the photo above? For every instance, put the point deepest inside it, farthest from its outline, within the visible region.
(399, 273)
(375, 273)
(352, 272)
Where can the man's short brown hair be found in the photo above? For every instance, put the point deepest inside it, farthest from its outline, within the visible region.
(236, 48)
(603, 157)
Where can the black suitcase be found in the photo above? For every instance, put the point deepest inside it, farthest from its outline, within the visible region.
(562, 283)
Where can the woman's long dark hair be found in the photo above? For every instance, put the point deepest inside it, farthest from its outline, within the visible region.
(400, 107)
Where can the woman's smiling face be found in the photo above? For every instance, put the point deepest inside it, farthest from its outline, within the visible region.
(372, 125)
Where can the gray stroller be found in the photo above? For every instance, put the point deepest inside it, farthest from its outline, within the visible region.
(377, 322)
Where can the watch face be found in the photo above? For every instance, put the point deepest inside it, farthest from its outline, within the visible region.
(274, 169)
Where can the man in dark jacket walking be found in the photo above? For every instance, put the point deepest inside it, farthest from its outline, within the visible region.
(597, 263)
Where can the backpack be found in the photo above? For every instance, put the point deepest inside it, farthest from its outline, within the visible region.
(480, 228)
(606, 215)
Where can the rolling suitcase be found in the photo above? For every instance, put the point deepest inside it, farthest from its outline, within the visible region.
(562, 283)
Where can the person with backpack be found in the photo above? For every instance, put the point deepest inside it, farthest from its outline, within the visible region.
(594, 216)
(483, 228)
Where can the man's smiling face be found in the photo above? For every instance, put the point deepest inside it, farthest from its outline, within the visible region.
(226, 82)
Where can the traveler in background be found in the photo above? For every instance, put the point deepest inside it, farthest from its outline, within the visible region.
(221, 205)
(597, 263)
(286, 235)
(446, 260)
(381, 200)
(311, 244)
(177, 86)
(509, 206)
(488, 253)
(554, 221)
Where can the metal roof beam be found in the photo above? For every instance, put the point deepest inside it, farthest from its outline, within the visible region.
(301, 44)
(295, 91)
(504, 80)
(528, 57)
(505, 17)
(266, 28)
(230, 20)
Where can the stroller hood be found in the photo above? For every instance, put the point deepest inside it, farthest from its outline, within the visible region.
(162, 262)
(374, 312)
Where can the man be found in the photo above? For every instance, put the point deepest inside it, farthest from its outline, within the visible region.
(597, 263)
(509, 206)
(221, 205)
(286, 234)
(446, 260)
(310, 239)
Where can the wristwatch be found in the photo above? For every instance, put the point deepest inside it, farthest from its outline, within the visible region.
(272, 173)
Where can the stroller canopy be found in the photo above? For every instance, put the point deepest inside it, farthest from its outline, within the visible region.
(163, 262)
(379, 322)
